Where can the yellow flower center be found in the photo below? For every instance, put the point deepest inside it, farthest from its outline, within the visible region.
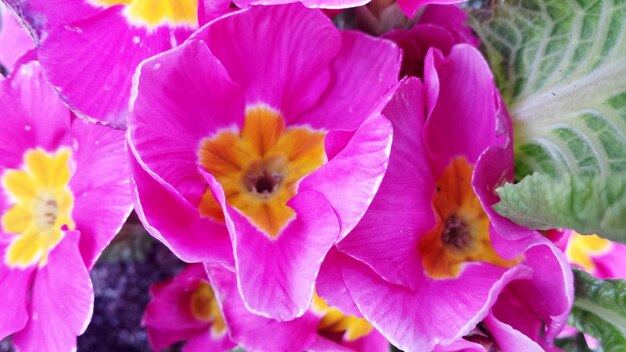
(259, 168)
(42, 206)
(335, 324)
(204, 307)
(581, 248)
(154, 13)
(461, 233)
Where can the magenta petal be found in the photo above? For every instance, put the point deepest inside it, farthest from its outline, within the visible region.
(410, 7)
(460, 345)
(387, 237)
(276, 277)
(286, 72)
(168, 317)
(207, 342)
(435, 312)
(364, 69)
(453, 19)
(462, 105)
(525, 305)
(509, 339)
(175, 109)
(103, 197)
(361, 164)
(72, 52)
(254, 332)
(372, 342)
(14, 39)
(61, 301)
(32, 115)
(15, 285)
(331, 287)
(178, 225)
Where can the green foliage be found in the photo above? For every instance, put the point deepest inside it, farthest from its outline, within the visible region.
(561, 68)
(594, 204)
(600, 310)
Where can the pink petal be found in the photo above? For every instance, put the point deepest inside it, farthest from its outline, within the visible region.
(103, 198)
(410, 7)
(43, 15)
(206, 342)
(255, 332)
(72, 52)
(361, 164)
(372, 342)
(438, 311)
(33, 116)
(178, 225)
(169, 119)
(509, 339)
(364, 69)
(14, 39)
(168, 317)
(15, 285)
(276, 276)
(528, 308)
(453, 19)
(462, 105)
(387, 237)
(287, 72)
(61, 301)
(331, 287)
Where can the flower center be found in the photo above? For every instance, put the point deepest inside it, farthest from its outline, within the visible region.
(42, 206)
(153, 13)
(461, 233)
(259, 168)
(581, 248)
(336, 326)
(204, 307)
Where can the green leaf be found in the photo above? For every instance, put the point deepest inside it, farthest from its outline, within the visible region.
(588, 204)
(600, 310)
(561, 68)
(576, 343)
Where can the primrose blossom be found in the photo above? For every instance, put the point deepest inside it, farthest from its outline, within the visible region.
(431, 275)
(246, 152)
(60, 206)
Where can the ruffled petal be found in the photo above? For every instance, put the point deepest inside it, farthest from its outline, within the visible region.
(281, 57)
(410, 7)
(33, 116)
(255, 332)
(462, 106)
(75, 54)
(14, 39)
(331, 287)
(61, 301)
(361, 164)
(170, 219)
(364, 69)
(170, 119)
(15, 285)
(438, 311)
(100, 186)
(276, 277)
(387, 237)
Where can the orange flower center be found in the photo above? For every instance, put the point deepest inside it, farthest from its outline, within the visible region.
(204, 307)
(337, 326)
(582, 248)
(259, 167)
(153, 13)
(461, 233)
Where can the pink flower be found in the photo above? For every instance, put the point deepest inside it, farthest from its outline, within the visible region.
(321, 328)
(439, 26)
(65, 194)
(185, 308)
(429, 258)
(238, 147)
(89, 49)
